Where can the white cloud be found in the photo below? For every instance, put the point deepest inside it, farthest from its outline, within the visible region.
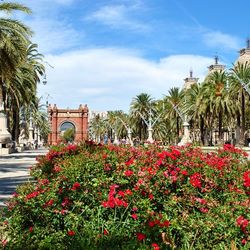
(108, 79)
(118, 16)
(219, 40)
(54, 35)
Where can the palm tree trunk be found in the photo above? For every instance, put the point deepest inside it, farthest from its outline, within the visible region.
(243, 120)
(202, 130)
(238, 128)
(177, 129)
(220, 126)
(15, 128)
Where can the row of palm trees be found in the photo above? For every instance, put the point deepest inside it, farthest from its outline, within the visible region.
(218, 106)
(21, 69)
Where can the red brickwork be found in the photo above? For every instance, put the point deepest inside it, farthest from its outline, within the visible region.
(78, 117)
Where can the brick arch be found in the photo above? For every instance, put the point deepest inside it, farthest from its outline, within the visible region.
(78, 117)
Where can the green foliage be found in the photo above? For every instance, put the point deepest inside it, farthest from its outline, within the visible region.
(110, 197)
(68, 135)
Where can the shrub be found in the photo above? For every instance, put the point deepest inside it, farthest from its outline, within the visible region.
(109, 197)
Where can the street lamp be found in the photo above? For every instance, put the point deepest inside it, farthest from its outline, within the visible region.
(150, 123)
(244, 85)
(44, 80)
(186, 137)
(128, 130)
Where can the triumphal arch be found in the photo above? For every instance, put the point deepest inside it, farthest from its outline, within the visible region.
(62, 119)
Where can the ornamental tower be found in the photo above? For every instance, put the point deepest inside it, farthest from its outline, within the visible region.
(189, 81)
(244, 54)
(216, 66)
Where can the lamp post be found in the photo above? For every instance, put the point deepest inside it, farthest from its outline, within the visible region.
(128, 131)
(186, 136)
(244, 85)
(150, 123)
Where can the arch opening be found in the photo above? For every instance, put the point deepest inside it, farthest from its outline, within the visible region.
(67, 131)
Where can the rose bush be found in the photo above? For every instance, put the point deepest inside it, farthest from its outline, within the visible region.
(110, 197)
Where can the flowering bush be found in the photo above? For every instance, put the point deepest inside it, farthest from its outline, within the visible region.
(110, 197)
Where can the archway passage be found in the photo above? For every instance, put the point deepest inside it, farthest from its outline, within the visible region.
(63, 119)
(67, 125)
(67, 132)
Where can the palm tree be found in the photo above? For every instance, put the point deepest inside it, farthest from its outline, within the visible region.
(194, 109)
(240, 71)
(175, 97)
(141, 105)
(217, 96)
(163, 126)
(14, 39)
(21, 88)
(97, 127)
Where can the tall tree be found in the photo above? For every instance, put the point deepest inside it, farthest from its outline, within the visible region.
(21, 88)
(14, 39)
(175, 97)
(142, 104)
(242, 72)
(217, 96)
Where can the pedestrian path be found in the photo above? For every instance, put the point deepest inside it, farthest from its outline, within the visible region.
(14, 171)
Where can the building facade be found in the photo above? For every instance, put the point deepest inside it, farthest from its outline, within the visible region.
(62, 119)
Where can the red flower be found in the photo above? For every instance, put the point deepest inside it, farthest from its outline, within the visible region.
(244, 241)
(4, 242)
(128, 173)
(129, 162)
(242, 222)
(151, 196)
(31, 229)
(49, 203)
(246, 179)
(155, 246)
(105, 204)
(104, 156)
(71, 147)
(195, 180)
(151, 223)
(32, 195)
(63, 211)
(76, 185)
(71, 233)
(165, 223)
(140, 236)
(65, 202)
(134, 216)
(184, 172)
(57, 169)
(204, 210)
(121, 193)
(105, 232)
(128, 192)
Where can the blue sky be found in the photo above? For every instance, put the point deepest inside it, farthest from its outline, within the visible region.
(105, 52)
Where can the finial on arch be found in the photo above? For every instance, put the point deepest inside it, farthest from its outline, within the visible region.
(191, 73)
(216, 59)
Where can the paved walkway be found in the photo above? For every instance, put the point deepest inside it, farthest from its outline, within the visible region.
(14, 170)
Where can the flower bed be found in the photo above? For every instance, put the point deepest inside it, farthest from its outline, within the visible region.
(110, 197)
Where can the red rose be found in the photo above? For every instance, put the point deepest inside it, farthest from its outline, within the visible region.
(155, 246)
(134, 216)
(140, 236)
(71, 233)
